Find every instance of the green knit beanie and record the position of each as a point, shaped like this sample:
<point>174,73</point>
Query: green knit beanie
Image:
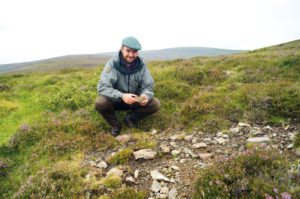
<point>131,42</point>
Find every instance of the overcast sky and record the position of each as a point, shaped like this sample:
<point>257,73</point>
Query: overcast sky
<point>38,29</point>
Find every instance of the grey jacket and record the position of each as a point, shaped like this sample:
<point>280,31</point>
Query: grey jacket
<point>115,80</point>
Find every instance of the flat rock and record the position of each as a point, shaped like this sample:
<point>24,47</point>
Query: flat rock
<point>155,187</point>
<point>188,137</point>
<point>123,139</point>
<point>242,124</point>
<point>172,194</point>
<point>158,176</point>
<point>173,144</point>
<point>205,156</point>
<point>144,154</point>
<point>116,171</point>
<point>220,140</point>
<point>102,165</point>
<point>164,190</point>
<point>129,179</point>
<point>186,150</point>
<point>175,152</point>
<point>199,145</point>
<point>194,140</point>
<point>259,139</point>
<point>235,130</point>
<point>178,137</point>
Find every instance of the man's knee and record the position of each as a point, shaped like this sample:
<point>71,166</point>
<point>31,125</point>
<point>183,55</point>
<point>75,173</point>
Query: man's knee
<point>155,104</point>
<point>102,103</point>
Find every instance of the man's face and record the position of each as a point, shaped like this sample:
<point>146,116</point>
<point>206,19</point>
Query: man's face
<point>129,55</point>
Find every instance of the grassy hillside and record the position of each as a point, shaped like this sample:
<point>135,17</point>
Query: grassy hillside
<point>72,61</point>
<point>48,121</point>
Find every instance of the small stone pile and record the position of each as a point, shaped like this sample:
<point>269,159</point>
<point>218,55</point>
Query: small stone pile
<point>170,169</point>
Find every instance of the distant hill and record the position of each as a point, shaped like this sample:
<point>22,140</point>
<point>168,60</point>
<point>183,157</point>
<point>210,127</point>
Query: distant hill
<point>181,52</point>
<point>88,60</point>
<point>68,61</point>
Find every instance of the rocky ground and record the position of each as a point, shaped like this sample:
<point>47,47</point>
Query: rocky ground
<point>170,169</point>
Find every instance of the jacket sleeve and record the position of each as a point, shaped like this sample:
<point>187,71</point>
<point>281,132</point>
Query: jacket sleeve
<point>105,86</point>
<point>147,83</point>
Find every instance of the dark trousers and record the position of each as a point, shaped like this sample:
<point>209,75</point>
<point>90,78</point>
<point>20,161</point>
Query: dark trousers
<point>107,109</point>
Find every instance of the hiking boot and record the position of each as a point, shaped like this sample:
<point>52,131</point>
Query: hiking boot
<point>131,123</point>
<point>115,131</point>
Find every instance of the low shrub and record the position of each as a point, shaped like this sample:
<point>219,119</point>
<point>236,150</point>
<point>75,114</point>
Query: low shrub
<point>258,173</point>
<point>263,102</point>
<point>6,107</point>
<point>4,165</point>
<point>297,140</point>
<point>4,87</point>
<point>26,135</point>
<point>70,97</point>
<point>210,110</point>
<point>53,183</point>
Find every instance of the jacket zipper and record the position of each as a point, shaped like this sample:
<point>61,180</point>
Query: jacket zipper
<point>128,87</point>
<point>128,82</point>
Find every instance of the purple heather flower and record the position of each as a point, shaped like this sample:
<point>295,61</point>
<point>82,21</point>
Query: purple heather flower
<point>210,183</point>
<point>268,196</point>
<point>285,195</point>
<point>275,190</point>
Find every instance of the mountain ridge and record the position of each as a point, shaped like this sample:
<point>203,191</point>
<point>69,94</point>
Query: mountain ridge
<point>86,60</point>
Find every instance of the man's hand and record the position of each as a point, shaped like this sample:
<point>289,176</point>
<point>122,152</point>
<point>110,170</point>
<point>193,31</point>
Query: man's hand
<point>145,101</point>
<point>129,98</point>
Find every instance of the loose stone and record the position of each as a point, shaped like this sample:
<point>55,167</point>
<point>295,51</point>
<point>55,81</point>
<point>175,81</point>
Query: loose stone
<point>175,152</point>
<point>258,139</point>
<point>129,179</point>
<point>242,124</point>
<point>123,139</point>
<point>154,132</point>
<point>205,156</point>
<point>155,186</point>
<point>158,176</point>
<point>136,174</point>
<point>199,145</point>
<point>102,165</point>
<point>188,137</point>
<point>176,168</point>
<point>145,154</point>
<point>172,194</point>
<point>220,140</point>
<point>115,171</point>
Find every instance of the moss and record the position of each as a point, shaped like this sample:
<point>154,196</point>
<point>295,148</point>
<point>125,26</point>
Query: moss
<point>144,141</point>
<point>129,194</point>
<point>121,157</point>
<point>112,181</point>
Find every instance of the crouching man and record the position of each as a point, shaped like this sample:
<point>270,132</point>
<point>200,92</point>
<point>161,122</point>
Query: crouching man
<point>126,84</point>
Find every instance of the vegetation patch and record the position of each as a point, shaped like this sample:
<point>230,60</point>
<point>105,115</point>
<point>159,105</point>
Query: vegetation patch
<point>121,157</point>
<point>257,173</point>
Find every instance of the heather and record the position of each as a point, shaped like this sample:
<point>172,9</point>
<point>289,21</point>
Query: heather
<point>48,123</point>
<point>255,173</point>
